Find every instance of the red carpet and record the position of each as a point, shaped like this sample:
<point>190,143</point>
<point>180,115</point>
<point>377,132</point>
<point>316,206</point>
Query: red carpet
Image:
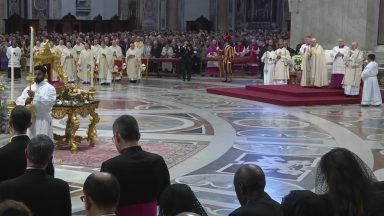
<point>288,95</point>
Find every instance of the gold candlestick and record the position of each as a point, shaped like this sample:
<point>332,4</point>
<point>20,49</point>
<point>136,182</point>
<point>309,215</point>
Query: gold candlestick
<point>11,106</point>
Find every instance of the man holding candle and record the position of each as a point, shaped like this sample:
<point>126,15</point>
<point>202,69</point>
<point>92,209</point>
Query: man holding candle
<point>42,96</point>
<point>14,55</point>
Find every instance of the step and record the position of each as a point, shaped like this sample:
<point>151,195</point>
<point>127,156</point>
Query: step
<point>296,90</point>
<point>284,100</point>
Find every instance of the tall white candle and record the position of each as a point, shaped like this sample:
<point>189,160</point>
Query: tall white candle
<point>92,71</point>
<point>31,54</point>
<point>12,73</point>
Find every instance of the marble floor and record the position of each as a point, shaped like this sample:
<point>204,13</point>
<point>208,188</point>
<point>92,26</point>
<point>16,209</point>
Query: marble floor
<point>204,138</point>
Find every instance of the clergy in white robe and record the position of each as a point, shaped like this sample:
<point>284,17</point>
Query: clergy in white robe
<point>371,89</point>
<point>85,64</point>
<point>37,47</point>
<point>116,50</point>
<point>42,97</point>
<point>104,64</point>
<point>338,66</point>
<point>95,49</point>
<point>281,72</point>
<point>352,77</point>
<point>314,66</point>
<point>167,52</point>
<point>307,43</point>
<point>60,47</point>
<point>132,64</point>
<point>78,48</point>
<point>269,58</point>
<point>68,62</point>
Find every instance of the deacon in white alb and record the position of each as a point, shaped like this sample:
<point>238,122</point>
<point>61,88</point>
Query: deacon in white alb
<point>269,58</point>
<point>42,97</point>
<point>281,73</point>
<point>371,89</point>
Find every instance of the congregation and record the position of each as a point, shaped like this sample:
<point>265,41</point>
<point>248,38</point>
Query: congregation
<point>137,182</point>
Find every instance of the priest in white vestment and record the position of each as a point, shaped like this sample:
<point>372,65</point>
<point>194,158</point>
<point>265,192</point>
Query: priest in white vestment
<point>104,64</point>
<point>132,64</point>
<point>354,65</point>
<point>68,62</point>
<point>167,52</point>
<point>116,50</point>
<point>78,48</point>
<point>314,66</point>
<point>371,89</point>
<point>307,43</point>
<point>283,59</point>
<point>37,47</point>
<point>60,47</point>
<point>338,66</point>
<point>269,58</point>
<point>85,64</point>
<point>95,49</point>
<point>42,97</point>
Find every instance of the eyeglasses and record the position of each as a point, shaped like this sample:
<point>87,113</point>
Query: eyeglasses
<point>82,198</point>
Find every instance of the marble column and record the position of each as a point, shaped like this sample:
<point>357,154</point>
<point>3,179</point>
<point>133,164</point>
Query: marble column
<point>123,9</point>
<point>381,23</point>
<point>2,16</point>
<point>222,15</point>
<point>173,15</point>
<point>353,20</point>
<point>55,12</point>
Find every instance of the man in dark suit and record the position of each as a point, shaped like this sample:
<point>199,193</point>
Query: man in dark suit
<point>155,53</point>
<point>12,155</point>
<point>142,175</point>
<point>249,182</point>
<point>43,194</point>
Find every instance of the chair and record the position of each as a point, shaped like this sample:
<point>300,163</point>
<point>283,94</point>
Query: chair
<point>117,70</point>
<point>145,61</point>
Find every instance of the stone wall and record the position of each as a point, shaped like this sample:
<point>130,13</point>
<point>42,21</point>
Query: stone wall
<point>327,20</point>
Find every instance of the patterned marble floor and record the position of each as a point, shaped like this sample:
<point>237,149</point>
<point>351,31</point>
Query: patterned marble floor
<point>205,138</point>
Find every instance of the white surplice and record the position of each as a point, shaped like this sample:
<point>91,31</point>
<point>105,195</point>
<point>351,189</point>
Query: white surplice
<point>338,66</point>
<point>371,89</point>
<point>43,101</point>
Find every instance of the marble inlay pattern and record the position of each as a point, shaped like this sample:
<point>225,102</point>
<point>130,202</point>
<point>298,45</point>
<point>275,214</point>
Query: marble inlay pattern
<point>205,138</point>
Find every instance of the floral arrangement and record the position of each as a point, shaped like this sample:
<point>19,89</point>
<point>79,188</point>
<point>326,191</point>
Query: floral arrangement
<point>143,67</point>
<point>73,96</point>
<point>3,109</point>
<point>297,59</point>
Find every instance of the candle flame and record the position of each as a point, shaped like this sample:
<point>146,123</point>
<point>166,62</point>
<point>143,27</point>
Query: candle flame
<point>31,28</point>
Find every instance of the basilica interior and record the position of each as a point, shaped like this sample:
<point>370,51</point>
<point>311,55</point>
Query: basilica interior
<point>205,137</point>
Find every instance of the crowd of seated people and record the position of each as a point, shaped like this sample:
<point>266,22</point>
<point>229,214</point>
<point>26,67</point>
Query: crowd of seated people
<point>137,182</point>
<point>165,44</point>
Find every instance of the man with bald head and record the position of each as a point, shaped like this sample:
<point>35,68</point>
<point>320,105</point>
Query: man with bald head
<point>338,55</point>
<point>354,65</point>
<point>249,182</point>
<point>101,194</point>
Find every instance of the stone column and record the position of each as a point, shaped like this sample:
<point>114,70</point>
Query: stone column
<point>381,23</point>
<point>173,15</point>
<point>56,12</point>
<point>123,9</point>
<point>222,15</point>
<point>2,16</point>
